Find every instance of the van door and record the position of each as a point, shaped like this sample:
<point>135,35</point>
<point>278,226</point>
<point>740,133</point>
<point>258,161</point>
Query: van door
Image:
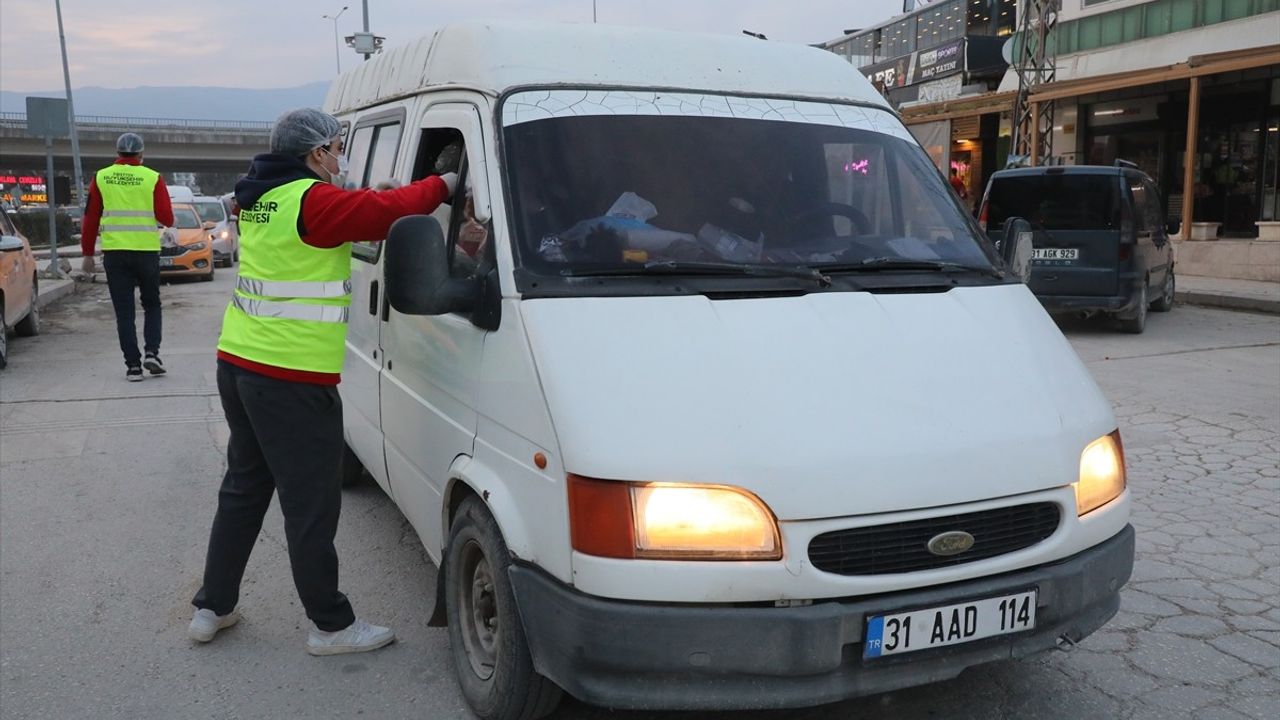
<point>430,381</point>
<point>371,157</point>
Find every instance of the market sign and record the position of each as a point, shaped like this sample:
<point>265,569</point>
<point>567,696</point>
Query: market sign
<point>920,66</point>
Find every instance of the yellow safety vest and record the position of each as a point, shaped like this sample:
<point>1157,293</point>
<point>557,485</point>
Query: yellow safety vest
<point>128,208</point>
<point>291,301</point>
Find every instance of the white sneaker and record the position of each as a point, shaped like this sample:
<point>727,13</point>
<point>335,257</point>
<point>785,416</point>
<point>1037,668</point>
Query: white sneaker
<point>359,636</point>
<point>206,623</point>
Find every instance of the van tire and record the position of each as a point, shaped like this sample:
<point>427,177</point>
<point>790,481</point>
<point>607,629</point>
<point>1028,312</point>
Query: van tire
<point>1164,303</point>
<point>352,470</point>
<point>1136,324</point>
<point>486,637</point>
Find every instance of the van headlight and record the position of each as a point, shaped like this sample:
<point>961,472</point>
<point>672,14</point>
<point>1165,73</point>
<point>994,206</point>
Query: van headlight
<point>670,521</point>
<point>1102,477</point>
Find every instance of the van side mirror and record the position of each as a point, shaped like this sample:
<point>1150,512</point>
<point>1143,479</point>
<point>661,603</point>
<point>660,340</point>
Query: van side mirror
<point>1016,248</point>
<point>1174,227</point>
<point>417,270</point>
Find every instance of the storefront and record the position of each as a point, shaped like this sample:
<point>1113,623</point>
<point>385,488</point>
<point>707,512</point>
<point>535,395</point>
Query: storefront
<point>1227,105</point>
<point>969,136</point>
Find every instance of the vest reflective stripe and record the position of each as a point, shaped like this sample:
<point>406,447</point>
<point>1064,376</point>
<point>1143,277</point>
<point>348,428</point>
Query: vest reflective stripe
<point>290,311</point>
<point>128,213</point>
<point>292,300</point>
<point>117,229</point>
<point>268,288</point>
<point>128,194</point>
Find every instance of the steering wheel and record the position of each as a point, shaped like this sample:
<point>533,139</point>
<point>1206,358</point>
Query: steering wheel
<point>860,221</point>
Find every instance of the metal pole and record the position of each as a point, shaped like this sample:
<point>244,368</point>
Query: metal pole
<point>366,22</point>
<point>593,11</point>
<point>337,61</point>
<point>54,270</point>
<point>71,115</point>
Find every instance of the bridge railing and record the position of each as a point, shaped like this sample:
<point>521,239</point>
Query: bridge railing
<point>129,123</point>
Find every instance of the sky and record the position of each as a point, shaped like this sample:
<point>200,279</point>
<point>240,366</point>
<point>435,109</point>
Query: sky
<point>285,43</point>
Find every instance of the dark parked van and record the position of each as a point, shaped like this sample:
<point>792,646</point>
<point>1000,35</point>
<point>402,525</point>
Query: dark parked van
<point>1100,238</point>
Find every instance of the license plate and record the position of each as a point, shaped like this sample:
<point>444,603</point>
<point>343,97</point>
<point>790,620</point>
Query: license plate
<point>1056,254</point>
<point>949,624</point>
<point>166,262</point>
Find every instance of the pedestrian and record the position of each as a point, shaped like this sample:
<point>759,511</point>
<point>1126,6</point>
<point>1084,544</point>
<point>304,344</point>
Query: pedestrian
<point>127,203</point>
<point>279,359</point>
<point>958,185</point>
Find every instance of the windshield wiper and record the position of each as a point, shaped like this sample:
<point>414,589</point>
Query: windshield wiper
<point>891,263</point>
<point>690,267</point>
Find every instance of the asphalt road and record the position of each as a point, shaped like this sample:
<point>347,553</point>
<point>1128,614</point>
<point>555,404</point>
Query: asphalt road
<point>107,490</point>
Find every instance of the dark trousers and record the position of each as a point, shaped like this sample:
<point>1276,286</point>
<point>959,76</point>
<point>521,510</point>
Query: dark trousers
<point>286,437</point>
<point>126,270</point>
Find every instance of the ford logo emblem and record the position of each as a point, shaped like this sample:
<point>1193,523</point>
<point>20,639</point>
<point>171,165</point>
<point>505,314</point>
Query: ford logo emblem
<point>950,543</point>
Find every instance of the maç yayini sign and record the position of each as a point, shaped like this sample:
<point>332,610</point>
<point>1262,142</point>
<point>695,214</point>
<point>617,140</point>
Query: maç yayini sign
<point>919,66</point>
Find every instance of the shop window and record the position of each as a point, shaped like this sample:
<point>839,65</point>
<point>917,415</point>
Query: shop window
<point>1067,38</point>
<point>1111,31</point>
<point>1235,9</point>
<point>939,24</point>
<point>898,38</point>
<point>1182,15</point>
<point>978,17</point>
<point>1006,17</point>
<point>1132,21</point>
<point>1089,33</point>
<point>1157,23</point>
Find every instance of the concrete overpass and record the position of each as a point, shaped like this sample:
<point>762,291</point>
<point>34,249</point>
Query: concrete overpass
<point>173,145</point>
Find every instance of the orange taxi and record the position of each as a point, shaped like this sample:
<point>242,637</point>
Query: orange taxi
<point>190,253</point>
<point>18,286</point>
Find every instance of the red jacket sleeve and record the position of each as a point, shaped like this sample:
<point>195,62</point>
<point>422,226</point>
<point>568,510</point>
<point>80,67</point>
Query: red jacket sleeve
<point>332,216</point>
<point>92,217</point>
<point>164,208</point>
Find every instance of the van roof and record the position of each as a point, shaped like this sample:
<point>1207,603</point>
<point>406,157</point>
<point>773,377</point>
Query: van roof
<point>495,57</point>
<point>1061,170</point>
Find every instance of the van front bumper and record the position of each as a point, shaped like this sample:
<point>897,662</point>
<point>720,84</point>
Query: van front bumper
<point>640,656</point>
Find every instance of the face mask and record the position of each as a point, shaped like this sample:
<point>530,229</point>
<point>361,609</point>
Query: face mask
<point>340,178</point>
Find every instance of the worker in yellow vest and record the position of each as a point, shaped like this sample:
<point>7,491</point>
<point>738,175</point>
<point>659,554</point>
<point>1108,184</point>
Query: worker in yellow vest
<point>279,359</point>
<point>127,203</point>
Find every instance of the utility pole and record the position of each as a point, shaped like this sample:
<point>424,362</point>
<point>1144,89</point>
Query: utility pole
<point>71,116</point>
<point>593,11</point>
<point>1034,61</point>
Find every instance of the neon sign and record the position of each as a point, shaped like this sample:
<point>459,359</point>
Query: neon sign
<point>861,166</point>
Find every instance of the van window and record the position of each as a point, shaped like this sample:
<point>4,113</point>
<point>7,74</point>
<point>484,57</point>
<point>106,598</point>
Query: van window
<point>1154,216</point>
<point>1066,201</point>
<point>1141,204</point>
<point>674,178</point>
<point>443,150</point>
<point>371,159</point>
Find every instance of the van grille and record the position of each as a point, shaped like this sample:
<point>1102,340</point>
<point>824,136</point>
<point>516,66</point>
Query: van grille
<point>903,547</point>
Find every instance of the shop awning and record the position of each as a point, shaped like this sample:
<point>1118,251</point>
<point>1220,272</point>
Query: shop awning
<point>1196,66</point>
<point>959,107</point>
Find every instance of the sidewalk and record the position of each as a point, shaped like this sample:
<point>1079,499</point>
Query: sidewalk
<point>53,290</point>
<point>1250,295</point>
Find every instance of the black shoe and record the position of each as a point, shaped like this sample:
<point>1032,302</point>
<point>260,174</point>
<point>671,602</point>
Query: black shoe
<point>133,374</point>
<point>153,364</point>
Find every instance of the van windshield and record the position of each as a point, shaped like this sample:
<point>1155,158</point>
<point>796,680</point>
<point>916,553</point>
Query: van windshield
<point>211,211</point>
<point>605,182</point>
<point>1068,201</point>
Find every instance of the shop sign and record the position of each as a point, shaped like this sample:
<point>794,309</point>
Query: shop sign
<point>940,90</point>
<point>919,66</point>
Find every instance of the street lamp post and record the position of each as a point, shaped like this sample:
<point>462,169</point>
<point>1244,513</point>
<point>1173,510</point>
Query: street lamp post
<point>71,116</point>
<point>593,11</point>
<point>337,61</point>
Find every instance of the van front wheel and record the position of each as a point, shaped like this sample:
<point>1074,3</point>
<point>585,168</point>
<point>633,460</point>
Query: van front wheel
<point>490,654</point>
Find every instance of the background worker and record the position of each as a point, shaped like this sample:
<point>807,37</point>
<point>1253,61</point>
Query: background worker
<point>279,359</point>
<point>127,201</point>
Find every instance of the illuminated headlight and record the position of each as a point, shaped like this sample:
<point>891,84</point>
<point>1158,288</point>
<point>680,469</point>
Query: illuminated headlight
<point>226,234</point>
<point>194,247</point>
<point>1102,477</point>
<point>666,521</point>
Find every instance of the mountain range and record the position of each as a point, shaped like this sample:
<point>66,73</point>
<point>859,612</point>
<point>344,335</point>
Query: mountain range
<point>188,103</point>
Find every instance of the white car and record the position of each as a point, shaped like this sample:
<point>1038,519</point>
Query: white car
<point>705,393</point>
<point>225,233</point>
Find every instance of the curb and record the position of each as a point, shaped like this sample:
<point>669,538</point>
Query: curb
<point>53,290</point>
<point>1228,302</point>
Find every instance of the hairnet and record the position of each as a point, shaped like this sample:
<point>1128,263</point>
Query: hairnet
<point>300,131</point>
<point>129,143</point>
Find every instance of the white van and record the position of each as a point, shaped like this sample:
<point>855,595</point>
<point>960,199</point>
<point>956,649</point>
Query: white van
<point>706,392</point>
